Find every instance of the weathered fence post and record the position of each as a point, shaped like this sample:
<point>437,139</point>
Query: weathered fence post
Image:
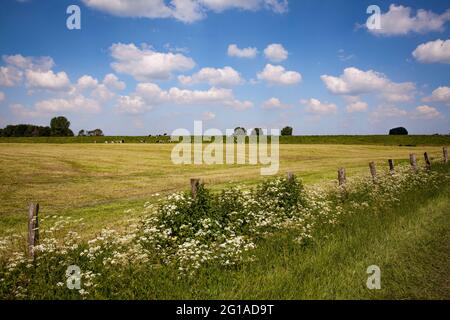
<point>341,177</point>
<point>391,165</point>
<point>290,176</point>
<point>427,161</point>
<point>33,228</point>
<point>445,151</point>
<point>413,161</point>
<point>373,170</point>
<point>195,183</point>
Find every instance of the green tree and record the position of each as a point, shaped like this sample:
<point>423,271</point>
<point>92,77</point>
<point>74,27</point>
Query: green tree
<point>95,133</point>
<point>60,127</point>
<point>287,131</point>
<point>82,133</point>
<point>398,132</point>
<point>239,131</point>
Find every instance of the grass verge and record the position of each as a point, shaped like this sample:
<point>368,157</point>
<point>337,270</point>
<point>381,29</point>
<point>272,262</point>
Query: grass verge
<point>409,242</point>
<point>402,227</point>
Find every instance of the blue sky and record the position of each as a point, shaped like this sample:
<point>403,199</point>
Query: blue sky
<point>143,67</point>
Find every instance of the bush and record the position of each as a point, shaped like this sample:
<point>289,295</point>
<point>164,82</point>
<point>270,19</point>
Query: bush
<point>230,208</point>
<point>398,132</point>
<point>220,226</point>
<point>287,131</point>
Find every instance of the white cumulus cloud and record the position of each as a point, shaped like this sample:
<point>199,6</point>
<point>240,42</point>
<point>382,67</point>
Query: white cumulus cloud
<point>113,82</point>
<point>34,63</point>
<point>278,6</point>
<point>235,51</point>
<point>225,77</point>
<point>145,64</point>
<point>153,95</point>
<point>276,52</point>
<point>433,51</point>
<point>278,75</point>
<point>355,82</point>
<point>441,94</point>
<point>184,10</point>
<point>75,104</point>
<point>275,103</point>
<point>87,82</point>
<point>317,107</point>
<point>134,8</point>
<point>47,80</point>
<point>426,112</point>
<point>400,20</point>
<point>132,105</point>
<point>101,91</point>
<point>10,76</point>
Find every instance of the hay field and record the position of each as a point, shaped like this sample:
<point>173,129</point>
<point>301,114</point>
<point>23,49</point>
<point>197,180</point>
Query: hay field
<point>101,183</point>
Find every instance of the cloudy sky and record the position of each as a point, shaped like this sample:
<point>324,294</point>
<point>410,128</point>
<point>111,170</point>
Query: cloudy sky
<point>141,67</point>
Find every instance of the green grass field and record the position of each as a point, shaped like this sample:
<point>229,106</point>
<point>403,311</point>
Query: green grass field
<point>411,140</point>
<point>107,185</point>
<point>99,182</point>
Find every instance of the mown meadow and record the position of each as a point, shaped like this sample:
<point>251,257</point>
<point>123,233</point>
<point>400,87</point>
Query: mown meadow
<point>99,182</point>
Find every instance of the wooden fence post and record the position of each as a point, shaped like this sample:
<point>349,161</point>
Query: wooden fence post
<point>341,177</point>
<point>195,183</point>
<point>413,161</point>
<point>391,165</point>
<point>445,151</point>
<point>373,170</point>
<point>33,228</point>
<point>427,161</point>
<point>290,176</point>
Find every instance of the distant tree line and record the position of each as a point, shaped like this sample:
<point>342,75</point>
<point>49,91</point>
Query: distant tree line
<point>25,130</point>
<point>240,131</point>
<point>59,127</point>
<point>91,133</point>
